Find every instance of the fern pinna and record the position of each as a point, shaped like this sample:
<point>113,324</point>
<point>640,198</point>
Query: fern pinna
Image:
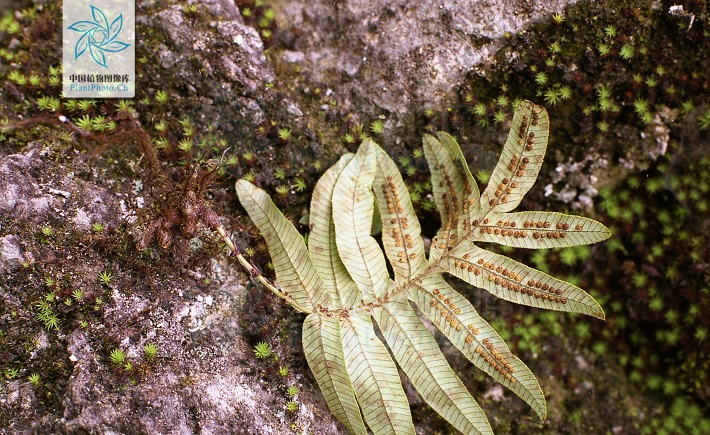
<point>342,282</point>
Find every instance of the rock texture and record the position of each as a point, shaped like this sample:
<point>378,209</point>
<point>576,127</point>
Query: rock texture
<point>397,58</point>
<point>205,377</point>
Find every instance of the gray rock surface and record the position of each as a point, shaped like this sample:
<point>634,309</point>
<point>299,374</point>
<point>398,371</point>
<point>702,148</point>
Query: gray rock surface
<point>205,379</point>
<point>398,58</point>
<point>216,69</point>
<point>20,195</point>
<point>10,253</point>
<point>29,193</point>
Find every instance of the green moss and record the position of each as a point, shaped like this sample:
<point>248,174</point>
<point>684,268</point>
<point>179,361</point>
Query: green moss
<point>105,277</point>
<point>704,120</point>
<point>284,133</point>
<point>627,52</point>
<point>118,357</point>
<point>161,96</point>
<point>150,350</point>
<point>291,406</point>
<point>541,78</point>
<point>583,330</point>
<point>263,350</point>
<point>552,96</point>
<point>299,185</point>
<point>377,126</point>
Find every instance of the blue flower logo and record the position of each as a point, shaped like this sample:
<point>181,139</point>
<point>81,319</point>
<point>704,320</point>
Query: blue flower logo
<point>98,37</point>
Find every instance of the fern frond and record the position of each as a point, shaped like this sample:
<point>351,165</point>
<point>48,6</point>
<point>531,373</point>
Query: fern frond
<point>323,347</point>
<point>401,232</point>
<point>297,277</point>
<point>375,379</point>
<point>353,209</point>
<point>418,354</point>
<point>455,192</point>
<point>539,230</point>
<point>459,321</point>
<point>520,161</point>
<point>342,278</point>
<point>321,240</point>
<point>513,281</point>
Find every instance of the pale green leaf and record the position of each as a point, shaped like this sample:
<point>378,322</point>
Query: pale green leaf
<point>516,282</point>
<point>520,160</point>
<point>418,354</point>
<point>321,240</point>
<point>539,229</point>
<point>294,269</point>
<point>352,213</point>
<point>323,347</point>
<point>459,321</point>
<point>375,378</point>
<point>470,188</point>
<point>455,191</point>
<point>401,233</point>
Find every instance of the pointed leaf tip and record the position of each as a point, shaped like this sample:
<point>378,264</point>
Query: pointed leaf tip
<point>521,159</point>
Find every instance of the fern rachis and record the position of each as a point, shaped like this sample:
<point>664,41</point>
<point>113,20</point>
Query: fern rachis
<point>341,279</point>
